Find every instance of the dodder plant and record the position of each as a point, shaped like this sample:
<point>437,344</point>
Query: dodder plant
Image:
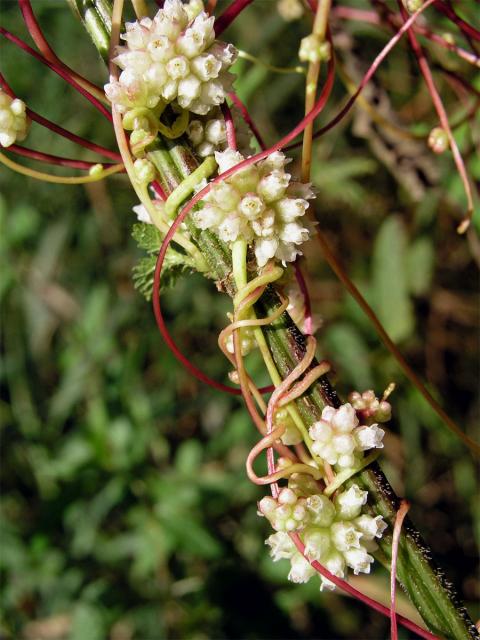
<point>209,204</point>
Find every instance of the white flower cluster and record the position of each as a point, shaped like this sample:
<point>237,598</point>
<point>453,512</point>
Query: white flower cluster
<point>335,533</point>
<point>260,205</point>
<point>339,439</point>
<point>13,119</point>
<point>173,57</point>
<point>369,407</point>
<point>209,134</point>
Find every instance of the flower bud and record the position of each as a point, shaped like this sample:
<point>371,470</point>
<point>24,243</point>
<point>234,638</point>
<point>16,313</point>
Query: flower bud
<point>370,527</point>
<point>144,171</point>
<point>14,124</point>
<point>317,543</point>
<point>369,437</point>
<point>438,140</point>
<point>281,546</point>
<point>321,510</point>
<point>350,502</point>
<point>301,570</point>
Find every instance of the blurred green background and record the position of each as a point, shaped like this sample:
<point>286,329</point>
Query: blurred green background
<point>125,509</point>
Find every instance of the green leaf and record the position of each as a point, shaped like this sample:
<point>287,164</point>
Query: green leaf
<point>420,266</point>
<point>351,354</point>
<point>147,236</point>
<point>390,282</point>
<point>175,264</point>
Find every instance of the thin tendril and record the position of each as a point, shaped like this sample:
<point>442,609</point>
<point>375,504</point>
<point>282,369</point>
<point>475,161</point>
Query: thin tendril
<point>443,117</point>
<point>397,529</point>
<point>44,122</point>
<point>58,70</point>
<point>409,372</point>
<point>248,119</point>
<point>230,127</point>
<point>307,304</point>
<point>47,177</point>
<point>49,54</point>
<point>370,73</point>
<point>229,15</point>
<point>270,67</point>
<point>51,159</point>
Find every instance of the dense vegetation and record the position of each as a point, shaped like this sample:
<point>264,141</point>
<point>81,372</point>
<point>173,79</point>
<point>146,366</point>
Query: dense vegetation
<point>126,512</point>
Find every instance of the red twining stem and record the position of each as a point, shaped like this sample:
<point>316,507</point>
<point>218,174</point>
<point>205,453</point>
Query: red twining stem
<point>229,15</point>
<point>373,604</point>
<point>230,127</point>
<point>57,160</point>
<point>369,74</point>
<point>61,131</point>
<point>464,27</point>
<point>248,119</point>
<point>58,70</point>
<point>42,44</point>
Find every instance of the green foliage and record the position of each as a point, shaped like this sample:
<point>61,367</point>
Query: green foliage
<point>175,264</point>
<point>390,284</point>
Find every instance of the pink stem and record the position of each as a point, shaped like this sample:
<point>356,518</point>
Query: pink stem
<point>229,15</point>
<point>348,13</point>
<point>58,70</point>
<point>57,160</point>
<point>373,604</point>
<point>157,187</point>
<point>308,323</point>
<point>366,78</point>
<point>61,131</point>
<point>42,44</point>
<point>362,15</point>
<point>397,529</point>
<point>248,119</point>
<point>464,27</point>
<point>231,137</point>
<point>443,117</point>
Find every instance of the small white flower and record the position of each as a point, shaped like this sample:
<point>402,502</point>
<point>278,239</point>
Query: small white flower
<point>317,543</point>
<point>358,560</point>
<point>345,536</point>
<point>301,570</point>
<point>142,214</point>
<point>281,546</point>
<point>267,506</point>
<point>335,563</point>
<point>14,124</point>
<point>290,9</point>
<point>350,502</point>
<point>369,437</point>
<point>321,510</point>
<point>371,527</point>
<point>344,419</point>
